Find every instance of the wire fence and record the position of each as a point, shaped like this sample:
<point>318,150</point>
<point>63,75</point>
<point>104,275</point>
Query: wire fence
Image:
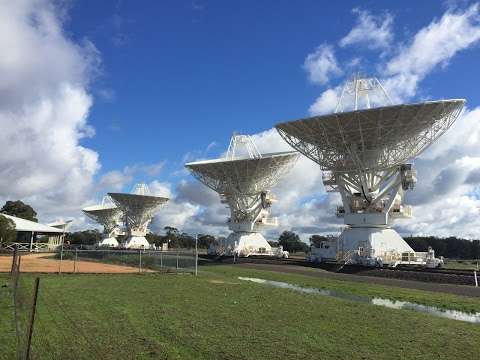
<point>25,294</point>
<point>128,261</point>
<point>42,318</point>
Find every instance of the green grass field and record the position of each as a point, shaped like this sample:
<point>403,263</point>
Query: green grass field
<point>462,264</point>
<point>217,316</point>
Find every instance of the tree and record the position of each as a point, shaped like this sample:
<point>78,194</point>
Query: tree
<point>155,239</point>
<point>273,244</point>
<point>291,242</point>
<point>451,247</point>
<point>186,241</point>
<point>86,237</point>
<point>171,236</point>
<point>7,231</point>
<point>315,240</point>
<point>204,241</point>
<point>19,209</point>
<point>475,249</point>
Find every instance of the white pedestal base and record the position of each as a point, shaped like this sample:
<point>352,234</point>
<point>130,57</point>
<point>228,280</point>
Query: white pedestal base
<point>371,245</point>
<point>137,242</point>
<point>243,244</point>
<point>364,245</point>
<point>108,242</point>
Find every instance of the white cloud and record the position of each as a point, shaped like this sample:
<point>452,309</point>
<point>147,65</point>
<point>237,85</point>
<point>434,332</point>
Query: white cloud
<point>326,102</point>
<point>44,106</point>
<point>374,32</point>
<point>114,181</point>
<point>193,208</point>
<point>177,215</point>
<point>321,65</point>
<point>432,46</point>
<point>153,169</point>
<point>158,188</point>
<point>447,172</point>
<point>117,180</point>
<point>106,94</point>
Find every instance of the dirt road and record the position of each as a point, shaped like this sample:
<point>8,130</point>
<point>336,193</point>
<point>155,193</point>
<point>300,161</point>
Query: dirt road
<point>45,263</point>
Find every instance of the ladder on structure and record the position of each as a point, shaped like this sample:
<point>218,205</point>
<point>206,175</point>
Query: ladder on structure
<point>345,259</point>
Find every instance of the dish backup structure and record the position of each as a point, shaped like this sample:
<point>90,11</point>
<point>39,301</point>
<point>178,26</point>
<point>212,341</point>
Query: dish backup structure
<point>244,182</point>
<point>364,149</point>
<point>138,209</point>
<point>108,215</point>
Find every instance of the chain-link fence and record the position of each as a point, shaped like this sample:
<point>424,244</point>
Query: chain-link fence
<point>25,293</point>
<point>50,314</point>
<point>127,261</point>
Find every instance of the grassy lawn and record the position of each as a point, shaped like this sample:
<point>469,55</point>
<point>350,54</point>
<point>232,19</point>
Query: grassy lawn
<point>461,264</point>
<point>216,316</point>
<point>440,300</point>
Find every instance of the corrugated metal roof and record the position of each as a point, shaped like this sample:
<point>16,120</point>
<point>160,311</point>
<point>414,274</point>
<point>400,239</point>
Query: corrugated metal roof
<point>27,225</point>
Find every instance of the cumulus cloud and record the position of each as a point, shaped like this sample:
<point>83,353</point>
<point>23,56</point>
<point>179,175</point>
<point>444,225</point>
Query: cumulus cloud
<point>326,102</point>
<point>444,199</point>
<point>116,180</point>
<point>433,46</point>
<point>321,65</point>
<point>44,106</point>
<point>158,188</point>
<point>374,32</point>
<point>193,208</point>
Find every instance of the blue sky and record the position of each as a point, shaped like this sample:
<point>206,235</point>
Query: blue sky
<point>183,74</point>
<point>98,95</point>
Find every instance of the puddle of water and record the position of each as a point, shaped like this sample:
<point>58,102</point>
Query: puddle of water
<point>392,304</point>
<point>222,282</point>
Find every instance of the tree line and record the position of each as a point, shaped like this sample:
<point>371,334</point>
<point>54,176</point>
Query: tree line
<point>450,247</point>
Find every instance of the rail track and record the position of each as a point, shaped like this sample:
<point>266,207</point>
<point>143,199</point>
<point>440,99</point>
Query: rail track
<point>445,276</point>
<point>439,275</point>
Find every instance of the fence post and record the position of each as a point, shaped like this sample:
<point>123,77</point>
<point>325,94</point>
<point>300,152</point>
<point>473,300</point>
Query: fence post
<point>196,255</point>
<point>177,258</point>
<point>476,279</point>
<point>61,259</point>
<point>161,258</point>
<point>17,274</point>
<point>31,242</point>
<point>32,318</point>
<point>14,259</point>
<point>140,260</point>
<point>75,261</point>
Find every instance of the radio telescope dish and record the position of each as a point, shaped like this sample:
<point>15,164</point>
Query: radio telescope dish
<point>364,154</point>
<point>243,181</point>
<point>108,215</point>
<point>138,209</point>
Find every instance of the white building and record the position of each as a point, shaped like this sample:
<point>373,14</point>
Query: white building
<point>54,234</point>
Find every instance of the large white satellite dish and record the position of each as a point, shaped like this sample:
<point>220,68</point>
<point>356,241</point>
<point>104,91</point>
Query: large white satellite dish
<point>364,154</point>
<point>108,215</point>
<point>138,209</point>
<point>243,181</point>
